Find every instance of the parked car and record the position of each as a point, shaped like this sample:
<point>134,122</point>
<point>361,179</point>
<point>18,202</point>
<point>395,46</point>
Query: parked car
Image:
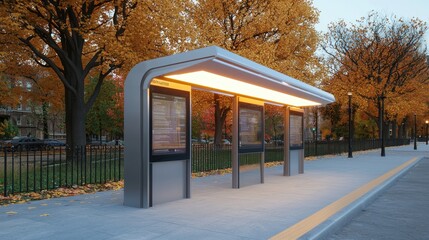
<point>51,143</point>
<point>115,143</point>
<point>95,142</point>
<point>199,141</point>
<point>24,143</point>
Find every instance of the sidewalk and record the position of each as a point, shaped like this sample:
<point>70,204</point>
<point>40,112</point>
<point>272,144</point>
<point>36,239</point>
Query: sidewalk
<point>215,211</point>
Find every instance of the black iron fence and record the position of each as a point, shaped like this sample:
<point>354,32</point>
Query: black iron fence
<point>44,169</point>
<point>320,148</point>
<point>206,157</point>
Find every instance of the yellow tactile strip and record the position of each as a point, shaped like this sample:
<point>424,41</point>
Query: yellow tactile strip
<point>306,225</point>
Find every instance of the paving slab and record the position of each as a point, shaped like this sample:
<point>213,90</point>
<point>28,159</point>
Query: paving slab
<point>215,211</point>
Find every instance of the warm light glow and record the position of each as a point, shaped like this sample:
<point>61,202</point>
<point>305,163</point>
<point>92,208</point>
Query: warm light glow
<point>427,121</point>
<point>349,93</point>
<point>218,82</point>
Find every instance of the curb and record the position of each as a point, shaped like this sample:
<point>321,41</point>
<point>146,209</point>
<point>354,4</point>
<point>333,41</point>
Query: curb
<point>341,218</point>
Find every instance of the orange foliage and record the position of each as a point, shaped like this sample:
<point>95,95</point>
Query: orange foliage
<point>278,34</point>
<point>379,57</point>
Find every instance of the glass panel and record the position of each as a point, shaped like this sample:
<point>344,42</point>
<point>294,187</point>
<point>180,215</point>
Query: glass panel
<point>250,126</point>
<point>296,131</point>
<point>168,124</point>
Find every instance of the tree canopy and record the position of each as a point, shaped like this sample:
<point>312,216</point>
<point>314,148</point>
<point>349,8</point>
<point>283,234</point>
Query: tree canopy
<point>379,57</point>
<point>277,34</point>
<point>72,38</point>
<point>66,42</point>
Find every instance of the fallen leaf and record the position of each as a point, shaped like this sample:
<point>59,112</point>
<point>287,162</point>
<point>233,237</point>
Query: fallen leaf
<point>31,208</point>
<point>60,192</point>
<point>44,204</point>
<point>44,215</point>
<point>11,213</point>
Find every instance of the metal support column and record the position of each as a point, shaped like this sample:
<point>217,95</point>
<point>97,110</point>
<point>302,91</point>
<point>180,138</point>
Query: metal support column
<point>350,150</point>
<point>382,130</point>
<point>262,165</point>
<point>415,131</point>
<point>235,142</point>
<point>286,150</point>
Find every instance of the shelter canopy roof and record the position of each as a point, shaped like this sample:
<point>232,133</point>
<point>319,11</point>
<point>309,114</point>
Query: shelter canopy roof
<point>214,68</point>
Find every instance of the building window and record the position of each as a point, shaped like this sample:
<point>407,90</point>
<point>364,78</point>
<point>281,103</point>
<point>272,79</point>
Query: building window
<point>29,122</point>
<point>28,106</point>
<point>29,86</point>
<point>18,121</point>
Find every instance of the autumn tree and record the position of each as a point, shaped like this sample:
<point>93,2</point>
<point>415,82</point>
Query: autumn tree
<point>79,38</point>
<point>9,93</point>
<point>45,94</point>
<point>378,58</point>
<point>100,119</point>
<point>7,130</point>
<point>274,121</point>
<point>278,34</point>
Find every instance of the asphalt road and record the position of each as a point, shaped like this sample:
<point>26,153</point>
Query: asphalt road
<point>401,212</point>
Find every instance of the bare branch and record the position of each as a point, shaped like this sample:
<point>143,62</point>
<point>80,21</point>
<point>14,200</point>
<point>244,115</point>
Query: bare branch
<point>54,67</point>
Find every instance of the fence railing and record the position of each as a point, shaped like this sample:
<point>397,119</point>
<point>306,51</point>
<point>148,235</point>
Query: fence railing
<point>44,169</point>
<point>337,147</point>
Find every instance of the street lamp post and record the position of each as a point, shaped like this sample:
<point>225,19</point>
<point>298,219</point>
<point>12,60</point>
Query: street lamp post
<point>316,131</point>
<point>427,123</point>
<point>350,125</point>
<point>415,131</point>
<point>383,151</point>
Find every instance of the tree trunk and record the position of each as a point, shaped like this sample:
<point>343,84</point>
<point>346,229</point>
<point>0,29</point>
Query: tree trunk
<point>220,117</point>
<point>53,128</point>
<point>386,130</point>
<point>218,120</point>
<point>380,121</point>
<point>394,129</point>
<point>404,130</point>
<point>400,131</point>
<point>45,120</point>
<point>75,125</point>
<point>78,123</point>
<point>68,118</point>
<point>100,129</point>
<point>274,129</point>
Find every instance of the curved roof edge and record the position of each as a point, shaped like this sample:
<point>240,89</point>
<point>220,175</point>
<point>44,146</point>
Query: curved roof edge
<point>220,54</point>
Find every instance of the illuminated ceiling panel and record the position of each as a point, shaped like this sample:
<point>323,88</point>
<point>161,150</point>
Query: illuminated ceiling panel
<point>215,81</point>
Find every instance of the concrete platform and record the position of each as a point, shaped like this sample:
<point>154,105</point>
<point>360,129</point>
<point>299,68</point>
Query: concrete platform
<point>311,205</point>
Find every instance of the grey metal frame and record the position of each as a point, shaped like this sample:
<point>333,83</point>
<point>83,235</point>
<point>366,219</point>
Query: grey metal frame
<point>136,127</point>
<point>286,149</point>
<point>235,155</point>
<point>234,151</point>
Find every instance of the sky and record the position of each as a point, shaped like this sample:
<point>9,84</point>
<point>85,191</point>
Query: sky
<point>351,10</point>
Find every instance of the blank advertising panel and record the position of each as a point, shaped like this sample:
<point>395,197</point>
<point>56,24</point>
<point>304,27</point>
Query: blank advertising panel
<point>169,124</point>
<point>251,128</point>
<point>296,130</point>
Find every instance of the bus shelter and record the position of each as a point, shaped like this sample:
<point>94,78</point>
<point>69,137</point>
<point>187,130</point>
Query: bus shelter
<point>157,118</point>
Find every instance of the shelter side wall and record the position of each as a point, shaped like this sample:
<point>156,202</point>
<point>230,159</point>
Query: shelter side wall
<point>133,165</point>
